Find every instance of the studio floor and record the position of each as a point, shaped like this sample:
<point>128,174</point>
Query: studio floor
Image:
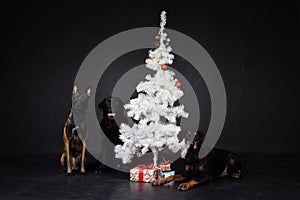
<point>41,177</point>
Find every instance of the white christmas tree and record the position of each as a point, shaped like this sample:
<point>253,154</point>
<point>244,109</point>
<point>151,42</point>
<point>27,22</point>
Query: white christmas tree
<point>154,107</point>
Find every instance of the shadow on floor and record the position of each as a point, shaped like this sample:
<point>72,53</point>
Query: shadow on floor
<point>41,177</point>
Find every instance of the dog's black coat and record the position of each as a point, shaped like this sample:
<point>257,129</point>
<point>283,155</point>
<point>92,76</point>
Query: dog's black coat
<point>213,165</point>
<point>195,170</point>
<point>218,162</point>
<point>108,123</point>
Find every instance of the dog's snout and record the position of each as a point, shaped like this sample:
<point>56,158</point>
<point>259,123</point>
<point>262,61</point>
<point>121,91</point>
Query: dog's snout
<point>187,143</point>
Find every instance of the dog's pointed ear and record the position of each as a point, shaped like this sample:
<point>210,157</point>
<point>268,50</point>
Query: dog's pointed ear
<point>106,102</point>
<point>100,105</point>
<point>75,89</point>
<point>88,91</point>
<point>200,136</point>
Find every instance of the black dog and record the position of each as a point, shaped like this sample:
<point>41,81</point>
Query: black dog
<point>217,163</point>
<point>112,109</point>
<point>112,114</point>
<point>74,152</point>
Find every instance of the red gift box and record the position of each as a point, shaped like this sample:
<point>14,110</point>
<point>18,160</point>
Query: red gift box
<point>144,173</point>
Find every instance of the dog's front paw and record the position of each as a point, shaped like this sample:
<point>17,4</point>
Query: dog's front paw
<point>184,187</point>
<point>82,169</point>
<point>82,172</point>
<point>158,182</point>
<point>69,172</point>
<point>237,174</point>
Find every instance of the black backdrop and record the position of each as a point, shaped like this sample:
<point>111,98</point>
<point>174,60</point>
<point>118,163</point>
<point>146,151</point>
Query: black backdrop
<point>254,44</point>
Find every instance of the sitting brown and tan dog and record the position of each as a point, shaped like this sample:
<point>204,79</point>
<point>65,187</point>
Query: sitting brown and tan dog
<point>217,163</point>
<point>74,153</point>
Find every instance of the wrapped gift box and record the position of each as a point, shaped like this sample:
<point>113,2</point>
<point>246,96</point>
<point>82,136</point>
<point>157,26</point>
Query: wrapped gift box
<point>165,166</point>
<point>166,174</point>
<point>144,173</point>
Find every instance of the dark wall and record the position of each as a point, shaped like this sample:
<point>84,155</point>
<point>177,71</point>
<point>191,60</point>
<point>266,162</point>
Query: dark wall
<point>254,44</point>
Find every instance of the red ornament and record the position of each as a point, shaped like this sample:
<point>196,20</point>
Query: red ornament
<point>164,67</point>
<point>157,37</point>
<point>178,84</point>
<point>148,58</point>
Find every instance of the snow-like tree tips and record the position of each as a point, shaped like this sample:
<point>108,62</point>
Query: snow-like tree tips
<point>155,101</point>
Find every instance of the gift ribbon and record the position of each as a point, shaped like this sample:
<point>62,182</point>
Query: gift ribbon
<point>141,169</point>
<point>141,175</point>
<point>149,166</point>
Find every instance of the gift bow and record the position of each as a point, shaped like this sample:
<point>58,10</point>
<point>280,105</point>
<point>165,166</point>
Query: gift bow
<point>165,162</point>
<point>149,166</point>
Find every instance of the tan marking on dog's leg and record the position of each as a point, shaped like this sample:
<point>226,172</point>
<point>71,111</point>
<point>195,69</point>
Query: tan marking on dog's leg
<point>69,171</point>
<point>62,158</point>
<point>187,185</point>
<point>200,168</point>
<point>237,174</point>
<point>66,143</point>
<point>187,168</point>
<point>82,170</point>
<point>168,179</point>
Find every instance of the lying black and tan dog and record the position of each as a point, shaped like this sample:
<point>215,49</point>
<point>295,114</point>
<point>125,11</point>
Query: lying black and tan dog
<point>74,153</point>
<point>217,163</point>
